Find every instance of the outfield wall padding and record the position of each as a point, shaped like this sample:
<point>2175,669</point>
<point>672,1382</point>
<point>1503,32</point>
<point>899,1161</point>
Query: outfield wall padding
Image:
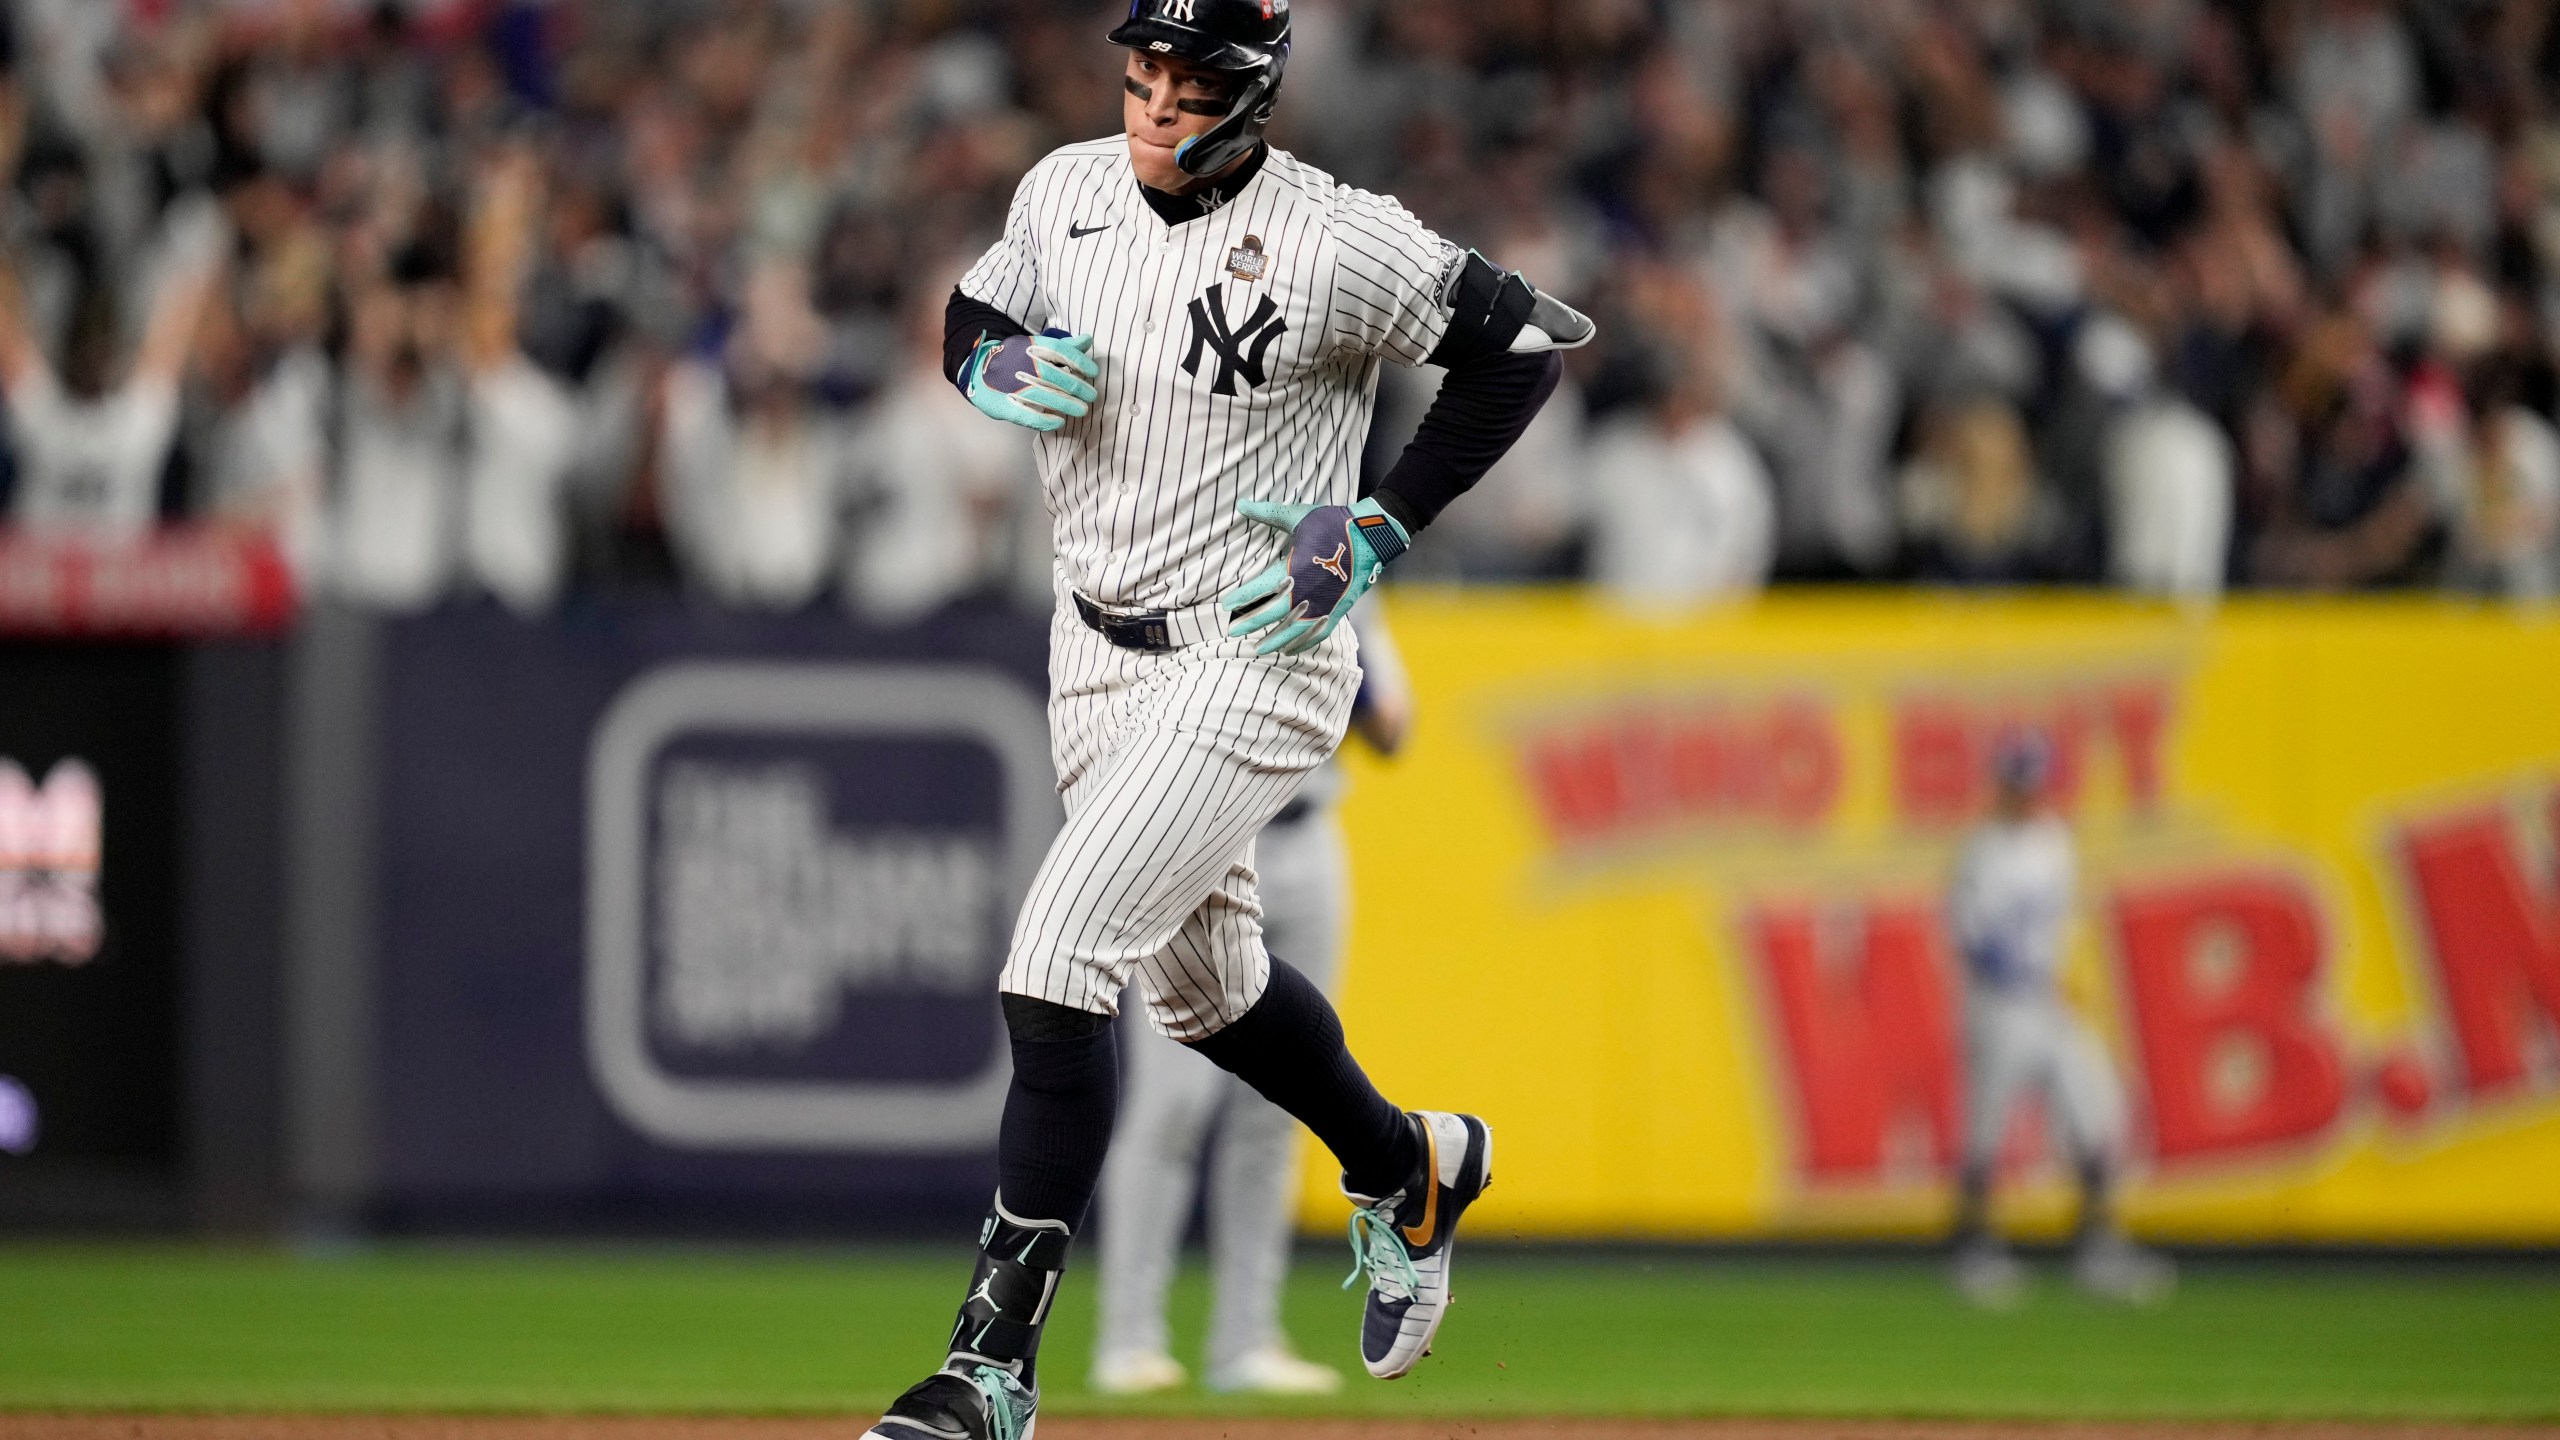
<point>1667,895</point>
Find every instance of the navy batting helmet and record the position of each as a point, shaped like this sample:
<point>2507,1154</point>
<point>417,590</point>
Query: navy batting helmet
<point>1248,38</point>
<point>2021,759</point>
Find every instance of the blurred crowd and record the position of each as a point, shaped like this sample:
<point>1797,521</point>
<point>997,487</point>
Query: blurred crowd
<point>516,298</point>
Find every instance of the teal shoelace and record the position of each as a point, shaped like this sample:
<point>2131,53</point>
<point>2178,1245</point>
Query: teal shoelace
<point>1002,1412</point>
<point>1376,1249</point>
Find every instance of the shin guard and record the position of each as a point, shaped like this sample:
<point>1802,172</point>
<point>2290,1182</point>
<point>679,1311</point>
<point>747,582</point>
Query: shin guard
<point>1019,1262</point>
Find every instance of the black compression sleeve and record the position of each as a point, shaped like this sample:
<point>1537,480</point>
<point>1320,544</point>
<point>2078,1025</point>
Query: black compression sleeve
<point>1483,407</point>
<point>965,322</point>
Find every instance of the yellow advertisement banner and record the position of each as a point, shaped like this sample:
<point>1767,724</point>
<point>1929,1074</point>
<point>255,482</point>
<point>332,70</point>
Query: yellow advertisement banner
<point>1661,900</point>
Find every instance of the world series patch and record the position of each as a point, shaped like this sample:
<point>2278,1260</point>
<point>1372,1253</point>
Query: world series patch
<point>1247,262</point>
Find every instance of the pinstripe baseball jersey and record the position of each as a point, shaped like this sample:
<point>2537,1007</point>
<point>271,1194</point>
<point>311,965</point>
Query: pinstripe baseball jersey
<point>1239,354</point>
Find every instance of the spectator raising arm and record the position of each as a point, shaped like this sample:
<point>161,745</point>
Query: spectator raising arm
<point>20,358</point>
<point>523,429</point>
<point>198,261</point>
<point>91,444</point>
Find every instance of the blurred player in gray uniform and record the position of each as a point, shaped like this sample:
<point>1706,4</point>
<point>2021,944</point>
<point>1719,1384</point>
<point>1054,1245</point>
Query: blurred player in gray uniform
<point>2010,909</point>
<point>1176,1099</point>
<point>1193,323</point>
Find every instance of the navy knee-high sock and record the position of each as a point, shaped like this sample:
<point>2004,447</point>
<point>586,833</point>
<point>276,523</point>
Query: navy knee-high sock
<point>1289,1046</point>
<point>1057,1116</point>
<point>1057,1127</point>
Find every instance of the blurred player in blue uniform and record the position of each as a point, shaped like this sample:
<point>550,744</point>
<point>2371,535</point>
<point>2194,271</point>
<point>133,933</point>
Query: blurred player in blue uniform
<point>2010,909</point>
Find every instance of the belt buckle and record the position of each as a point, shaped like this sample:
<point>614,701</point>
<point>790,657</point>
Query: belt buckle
<point>1148,630</point>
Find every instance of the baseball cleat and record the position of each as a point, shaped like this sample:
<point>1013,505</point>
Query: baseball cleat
<point>1402,1241</point>
<point>1274,1371</point>
<point>1138,1372</point>
<point>1989,1276</point>
<point>965,1402</point>
<point>2111,1267</point>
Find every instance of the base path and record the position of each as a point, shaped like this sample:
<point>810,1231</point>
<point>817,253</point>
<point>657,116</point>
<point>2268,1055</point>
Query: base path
<point>433,1427</point>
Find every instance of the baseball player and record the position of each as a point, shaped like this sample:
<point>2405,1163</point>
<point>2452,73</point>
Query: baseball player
<point>2010,909</point>
<point>1193,323</point>
<point>1176,1099</point>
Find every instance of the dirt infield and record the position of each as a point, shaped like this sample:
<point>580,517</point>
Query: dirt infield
<point>256,1427</point>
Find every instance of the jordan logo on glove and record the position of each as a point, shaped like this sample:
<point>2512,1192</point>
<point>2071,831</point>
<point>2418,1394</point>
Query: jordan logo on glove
<point>1336,552</point>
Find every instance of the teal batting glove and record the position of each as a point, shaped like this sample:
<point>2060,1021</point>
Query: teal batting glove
<point>1336,552</point>
<point>1039,382</point>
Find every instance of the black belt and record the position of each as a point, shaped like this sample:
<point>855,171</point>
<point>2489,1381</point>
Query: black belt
<point>1148,630</point>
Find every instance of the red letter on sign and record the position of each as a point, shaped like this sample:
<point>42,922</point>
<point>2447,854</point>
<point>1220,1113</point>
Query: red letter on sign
<point>2496,937</point>
<point>2139,714</point>
<point>1867,1042</point>
<point>1936,768</point>
<point>1803,763</point>
<point>1580,782</point>
<point>2223,973</point>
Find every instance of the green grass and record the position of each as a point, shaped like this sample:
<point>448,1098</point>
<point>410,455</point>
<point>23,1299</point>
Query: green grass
<point>557,1329</point>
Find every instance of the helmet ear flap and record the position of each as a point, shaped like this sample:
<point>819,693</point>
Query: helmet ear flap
<point>1226,142</point>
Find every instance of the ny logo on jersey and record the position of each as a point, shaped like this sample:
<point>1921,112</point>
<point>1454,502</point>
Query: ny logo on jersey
<point>1209,329</point>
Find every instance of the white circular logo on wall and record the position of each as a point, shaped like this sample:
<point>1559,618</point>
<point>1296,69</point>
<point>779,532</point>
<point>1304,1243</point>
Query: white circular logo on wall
<point>730,914</point>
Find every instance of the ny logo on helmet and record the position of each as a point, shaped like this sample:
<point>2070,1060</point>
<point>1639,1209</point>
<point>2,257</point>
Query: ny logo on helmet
<point>1209,330</point>
<point>1177,10</point>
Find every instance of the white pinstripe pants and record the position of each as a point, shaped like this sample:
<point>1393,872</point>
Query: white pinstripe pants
<point>1170,764</point>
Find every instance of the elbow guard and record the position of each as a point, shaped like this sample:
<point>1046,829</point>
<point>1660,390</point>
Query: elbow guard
<point>1494,311</point>
<point>1552,325</point>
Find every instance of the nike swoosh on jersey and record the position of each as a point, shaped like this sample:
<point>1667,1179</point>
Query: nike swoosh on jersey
<point>1078,232</point>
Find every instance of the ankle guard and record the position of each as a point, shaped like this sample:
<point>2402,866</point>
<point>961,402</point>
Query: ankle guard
<point>1018,1265</point>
